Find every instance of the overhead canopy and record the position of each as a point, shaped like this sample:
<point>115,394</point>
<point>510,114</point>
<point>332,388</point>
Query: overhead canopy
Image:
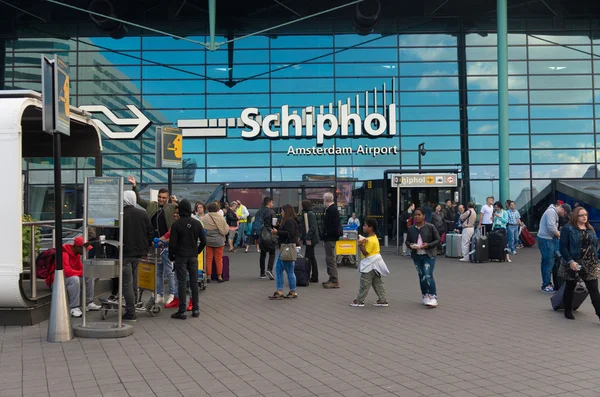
<point>84,141</point>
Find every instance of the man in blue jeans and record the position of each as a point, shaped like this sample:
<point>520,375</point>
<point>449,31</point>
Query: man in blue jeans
<point>546,239</point>
<point>514,222</point>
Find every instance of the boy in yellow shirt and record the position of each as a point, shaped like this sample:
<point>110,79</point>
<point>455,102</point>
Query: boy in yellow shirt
<point>372,267</point>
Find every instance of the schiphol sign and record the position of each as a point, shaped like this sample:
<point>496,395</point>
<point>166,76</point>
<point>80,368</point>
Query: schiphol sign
<point>322,125</point>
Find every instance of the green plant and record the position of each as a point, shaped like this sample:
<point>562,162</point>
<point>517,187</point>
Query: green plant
<point>26,235</point>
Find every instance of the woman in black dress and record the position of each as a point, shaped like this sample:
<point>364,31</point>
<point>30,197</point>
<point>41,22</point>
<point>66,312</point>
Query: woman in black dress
<point>579,249</point>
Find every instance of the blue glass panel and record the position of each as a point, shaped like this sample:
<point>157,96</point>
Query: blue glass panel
<point>559,52</point>
<point>491,53</point>
<point>491,83</point>
<point>247,86</point>
<point>173,87</point>
<point>428,54</point>
<point>100,72</point>
<point>561,111</point>
<point>109,58</point>
<point>238,145</point>
<point>562,156</point>
<point>171,116</point>
<point>491,68</point>
<point>560,67</point>
<point>302,160</point>
<point>303,85</point>
<point>429,98</point>
<point>195,160</point>
<point>365,69</point>
<point>553,127</point>
<point>125,43</point>
<point>430,128</point>
<point>491,142</point>
<point>432,143</point>
<point>559,171</point>
<point>301,55</point>
<point>121,161</point>
<point>370,54</point>
<point>426,40</point>
<point>221,72</point>
<point>302,41</point>
<point>568,82</point>
<point>429,113</point>
<point>237,101</point>
<point>169,43</point>
<point>432,158</point>
<point>304,70</point>
<point>239,159</point>
<point>194,145</point>
<point>174,101</point>
<point>428,83</point>
<point>301,100</point>
<point>558,141</point>
<point>428,69</point>
<point>561,96</point>
<point>178,72</point>
<point>281,174</point>
<point>371,40</point>
<point>357,85</point>
<point>238,174</point>
<point>174,57</point>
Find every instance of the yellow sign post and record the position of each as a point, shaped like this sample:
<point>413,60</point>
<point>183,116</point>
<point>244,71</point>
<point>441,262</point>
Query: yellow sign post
<point>169,147</point>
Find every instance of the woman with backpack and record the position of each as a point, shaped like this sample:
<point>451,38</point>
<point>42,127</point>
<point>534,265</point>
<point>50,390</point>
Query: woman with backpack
<point>251,237</point>
<point>310,238</point>
<point>216,230</point>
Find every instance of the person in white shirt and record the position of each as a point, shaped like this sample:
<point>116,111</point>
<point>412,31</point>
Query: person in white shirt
<point>354,220</point>
<point>487,215</point>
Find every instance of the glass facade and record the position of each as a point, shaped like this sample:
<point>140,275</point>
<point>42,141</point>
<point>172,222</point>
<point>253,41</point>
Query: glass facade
<point>445,92</point>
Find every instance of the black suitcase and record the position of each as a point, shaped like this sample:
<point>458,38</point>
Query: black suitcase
<point>302,272</point>
<point>479,249</point>
<point>497,244</point>
<point>579,296</point>
<point>557,281</point>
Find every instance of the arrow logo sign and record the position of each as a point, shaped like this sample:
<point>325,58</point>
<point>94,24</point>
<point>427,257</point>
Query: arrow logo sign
<point>141,122</point>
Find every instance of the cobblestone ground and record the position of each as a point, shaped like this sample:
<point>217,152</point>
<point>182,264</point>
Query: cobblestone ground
<point>493,334</point>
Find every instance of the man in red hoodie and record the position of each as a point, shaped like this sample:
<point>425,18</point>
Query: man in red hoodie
<point>73,269</point>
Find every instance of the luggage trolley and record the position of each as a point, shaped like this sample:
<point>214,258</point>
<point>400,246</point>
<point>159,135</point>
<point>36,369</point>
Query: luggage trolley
<point>346,249</point>
<point>146,282</point>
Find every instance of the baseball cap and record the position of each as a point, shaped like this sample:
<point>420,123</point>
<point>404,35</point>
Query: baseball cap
<point>78,242</point>
<point>560,202</point>
<point>567,209</point>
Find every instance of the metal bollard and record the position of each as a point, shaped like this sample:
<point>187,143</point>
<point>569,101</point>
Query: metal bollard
<point>33,278</point>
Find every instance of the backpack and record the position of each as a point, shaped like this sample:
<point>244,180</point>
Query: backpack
<point>257,224</point>
<point>45,263</point>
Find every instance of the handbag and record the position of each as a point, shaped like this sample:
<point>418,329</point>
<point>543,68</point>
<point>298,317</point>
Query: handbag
<point>305,225</point>
<point>288,252</point>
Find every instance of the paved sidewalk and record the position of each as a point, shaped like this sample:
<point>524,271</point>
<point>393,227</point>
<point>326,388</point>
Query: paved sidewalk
<point>493,334</point>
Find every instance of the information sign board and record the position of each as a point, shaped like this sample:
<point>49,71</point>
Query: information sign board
<point>103,201</point>
<point>424,180</point>
<point>169,147</point>
<point>55,96</point>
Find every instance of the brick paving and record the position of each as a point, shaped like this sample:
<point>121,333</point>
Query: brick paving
<point>494,334</point>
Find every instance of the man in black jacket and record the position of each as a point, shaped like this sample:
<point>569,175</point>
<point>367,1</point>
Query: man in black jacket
<point>265,215</point>
<point>137,238</point>
<point>332,231</point>
<point>184,250</point>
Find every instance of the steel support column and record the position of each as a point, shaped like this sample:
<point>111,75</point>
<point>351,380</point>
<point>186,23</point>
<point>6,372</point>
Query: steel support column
<point>212,17</point>
<point>464,113</point>
<point>504,183</point>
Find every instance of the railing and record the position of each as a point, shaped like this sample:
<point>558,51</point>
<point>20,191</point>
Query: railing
<point>33,251</point>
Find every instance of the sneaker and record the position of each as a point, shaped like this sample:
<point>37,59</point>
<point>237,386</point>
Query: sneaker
<point>196,313</point>
<point>330,285</point>
<point>76,312</point>
<point>92,307</point>
<point>426,300</point>
<point>174,304</point>
<point>159,299</point>
<point>170,299</point>
<point>381,303</point>
<point>113,299</point>
<point>509,261</point>
<point>270,275</point>
<point>548,289</point>
<point>129,317</point>
<point>432,301</point>
<point>179,316</point>
<point>514,252</point>
<point>356,303</point>
<point>464,259</point>
<point>139,305</point>
<point>263,277</point>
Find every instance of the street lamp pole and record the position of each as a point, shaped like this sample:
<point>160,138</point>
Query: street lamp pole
<point>422,152</point>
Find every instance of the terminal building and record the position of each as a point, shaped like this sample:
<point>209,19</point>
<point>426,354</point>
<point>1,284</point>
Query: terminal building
<point>338,102</point>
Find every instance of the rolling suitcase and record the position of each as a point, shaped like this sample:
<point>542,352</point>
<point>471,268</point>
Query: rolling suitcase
<point>497,245</point>
<point>453,245</point>
<point>302,272</point>
<point>526,238</point>
<point>557,281</point>
<point>214,275</point>
<point>479,249</point>
<point>579,296</point>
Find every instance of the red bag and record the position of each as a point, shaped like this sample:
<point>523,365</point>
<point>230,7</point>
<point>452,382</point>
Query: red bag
<point>45,262</point>
<point>526,238</point>
<point>409,222</point>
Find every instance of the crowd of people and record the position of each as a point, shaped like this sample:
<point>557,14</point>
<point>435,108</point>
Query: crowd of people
<point>185,232</point>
